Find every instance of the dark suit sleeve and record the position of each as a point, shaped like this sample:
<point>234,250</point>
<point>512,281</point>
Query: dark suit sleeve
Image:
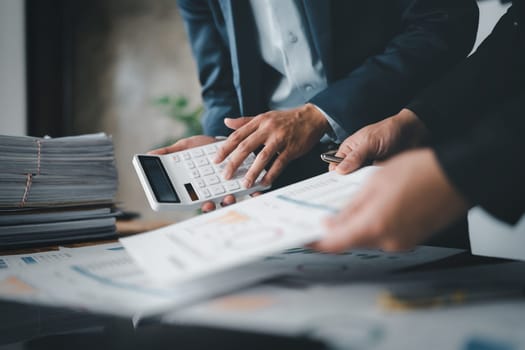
<point>205,28</point>
<point>435,34</point>
<point>494,72</point>
<point>487,165</point>
<point>476,117</point>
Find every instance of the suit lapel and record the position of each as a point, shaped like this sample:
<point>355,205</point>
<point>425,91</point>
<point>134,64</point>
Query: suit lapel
<point>244,51</point>
<point>318,15</point>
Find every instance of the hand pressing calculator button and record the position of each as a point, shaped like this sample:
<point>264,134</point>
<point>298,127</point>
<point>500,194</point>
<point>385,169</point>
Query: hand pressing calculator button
<point>185,180</point>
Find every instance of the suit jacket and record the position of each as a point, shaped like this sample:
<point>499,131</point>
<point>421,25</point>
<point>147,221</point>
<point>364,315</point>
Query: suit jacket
<point>476,115</point>
<point>376,53</point>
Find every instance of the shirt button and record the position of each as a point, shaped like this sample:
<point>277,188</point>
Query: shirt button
<point>516,24</point>
<point>292,38</point>
<point>308,87</point>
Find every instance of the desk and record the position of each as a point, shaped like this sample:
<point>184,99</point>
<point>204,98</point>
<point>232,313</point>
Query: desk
<point>24,326</point>
<point>353,315</point>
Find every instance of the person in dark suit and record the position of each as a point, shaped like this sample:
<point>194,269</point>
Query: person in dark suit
<point>287,74</point>
<point>463,139</point>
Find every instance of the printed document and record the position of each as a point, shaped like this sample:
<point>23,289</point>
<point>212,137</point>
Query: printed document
<point>286,218</point>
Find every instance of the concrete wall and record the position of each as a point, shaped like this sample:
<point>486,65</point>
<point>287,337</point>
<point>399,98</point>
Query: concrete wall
<point>12,68</point>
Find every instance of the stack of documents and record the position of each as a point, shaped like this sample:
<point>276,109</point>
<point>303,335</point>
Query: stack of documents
<point>56,189</point>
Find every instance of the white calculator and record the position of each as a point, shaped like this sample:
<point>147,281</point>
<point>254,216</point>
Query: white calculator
<point>185,180</point>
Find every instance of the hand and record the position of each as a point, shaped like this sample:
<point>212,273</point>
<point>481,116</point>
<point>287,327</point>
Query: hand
<point>183,144</point>
<point>286,135</point>
<point>403,203</point>
<point>190,142</point>
<point>380,140</point>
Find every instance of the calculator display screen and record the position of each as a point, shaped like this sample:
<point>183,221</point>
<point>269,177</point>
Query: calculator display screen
<point>159,180</point>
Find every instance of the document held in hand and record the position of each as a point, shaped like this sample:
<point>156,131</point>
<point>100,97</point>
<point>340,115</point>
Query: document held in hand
<point>286,218</point>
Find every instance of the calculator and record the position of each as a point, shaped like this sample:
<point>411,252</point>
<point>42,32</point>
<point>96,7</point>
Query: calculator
<point>185,180</point>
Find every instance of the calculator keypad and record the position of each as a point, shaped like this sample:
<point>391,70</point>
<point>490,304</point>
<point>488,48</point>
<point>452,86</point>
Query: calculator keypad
<point>206,176</point>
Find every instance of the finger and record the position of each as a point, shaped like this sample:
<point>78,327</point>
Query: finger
<point>263,158</point>
<point>396,246</point>
<point>242,151</point>
<point>343,237</point>
<point>277,167</point>
<point>207,207</point>
<point>342,151</point>
<point>177,146</point>
<point>233,141</point>
<point>348,228</point>
<point>184,144</point>
<point>228,200</point>
<point>256,194</point>
<point>236,123</point>
<point>354,159</point>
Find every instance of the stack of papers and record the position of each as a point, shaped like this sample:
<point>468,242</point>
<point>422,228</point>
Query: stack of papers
<point>56,189</point>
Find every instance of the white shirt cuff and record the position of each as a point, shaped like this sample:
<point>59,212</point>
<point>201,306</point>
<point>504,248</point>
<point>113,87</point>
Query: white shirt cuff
<point>337,134</point>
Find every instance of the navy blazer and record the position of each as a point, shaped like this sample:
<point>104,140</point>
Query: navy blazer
<point>476,115</point>
<point>376,53</point>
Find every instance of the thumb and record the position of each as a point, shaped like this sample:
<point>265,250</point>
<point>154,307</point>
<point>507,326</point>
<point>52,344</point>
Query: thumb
<point>354,159</point>
<point>236,123</point>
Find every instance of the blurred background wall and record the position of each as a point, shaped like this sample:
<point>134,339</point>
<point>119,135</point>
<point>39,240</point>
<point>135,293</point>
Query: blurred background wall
<point>128,54</point>
<point>12,68</point>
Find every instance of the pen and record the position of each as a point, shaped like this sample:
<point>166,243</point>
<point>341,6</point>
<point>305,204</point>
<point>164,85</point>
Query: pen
<point>330,157</point>
<point>407,298</point>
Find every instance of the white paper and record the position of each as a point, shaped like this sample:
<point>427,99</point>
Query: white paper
<point>288,217</point>
<point>491,237</point>
<point>105,279</point>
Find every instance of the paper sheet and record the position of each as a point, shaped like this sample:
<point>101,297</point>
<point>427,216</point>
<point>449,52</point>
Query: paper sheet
<point>288,217</point>
<point>345,312</point>
<point>105,279</point>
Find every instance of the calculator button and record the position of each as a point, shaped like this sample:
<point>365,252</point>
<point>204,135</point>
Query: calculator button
<point>232,185</point>
<point>249,159</point>
<point>217,189</point>
<point>212,180</point>
<point>176,158</point>
<point>197,152</point>
<point>200,183</point>
<point>190,164</point>
<point>211,149</point>
<point>202,161</point>
<point>205,192</point>
<point>195,174</point>
<point>207,170</point>
<point>240,172</point>
<point>186,156</point>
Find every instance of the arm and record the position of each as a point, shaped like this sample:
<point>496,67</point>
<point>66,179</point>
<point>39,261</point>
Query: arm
<point>209,43</point>
<point>401,205</point>
<point>434,36</point>
<point>486,165</point>
<point>450,106</point>
<point>480,106</point>
<point>494,72</point>
<point>421,192</point>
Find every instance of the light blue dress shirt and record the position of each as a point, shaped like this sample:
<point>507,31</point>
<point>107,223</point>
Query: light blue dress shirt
<point>286,45</point>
